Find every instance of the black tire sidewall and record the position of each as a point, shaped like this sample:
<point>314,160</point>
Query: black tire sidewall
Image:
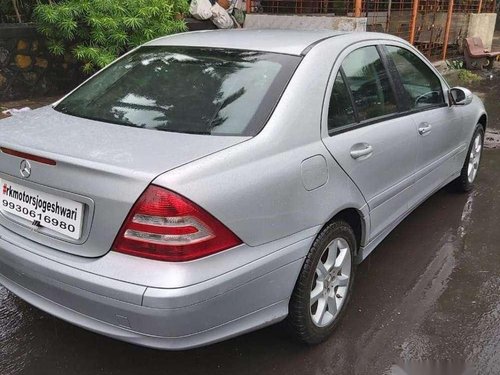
<point>299,314</point>
<point>463,181</point>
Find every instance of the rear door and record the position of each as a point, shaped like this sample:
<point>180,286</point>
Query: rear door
<point>367,135</point>
<point>438,126</point>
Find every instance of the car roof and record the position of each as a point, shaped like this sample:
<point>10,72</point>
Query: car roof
<point>292,42</point>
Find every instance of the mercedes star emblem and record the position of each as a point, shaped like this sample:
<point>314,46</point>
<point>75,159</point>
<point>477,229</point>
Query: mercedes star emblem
<point>25,168</point>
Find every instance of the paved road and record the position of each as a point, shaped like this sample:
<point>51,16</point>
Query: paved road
<point>431,291</point>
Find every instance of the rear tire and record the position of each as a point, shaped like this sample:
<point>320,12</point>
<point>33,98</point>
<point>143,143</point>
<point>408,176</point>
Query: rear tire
<point>465,182</point>
<point>324,285</point>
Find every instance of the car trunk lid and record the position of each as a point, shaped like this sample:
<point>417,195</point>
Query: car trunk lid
<point>103,166</point>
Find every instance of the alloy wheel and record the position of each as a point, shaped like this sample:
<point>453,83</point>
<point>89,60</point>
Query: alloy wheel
<point>474,158</point>
<point>331,282</point>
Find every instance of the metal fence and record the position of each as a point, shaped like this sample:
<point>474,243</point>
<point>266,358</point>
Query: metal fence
<point>436,27</point>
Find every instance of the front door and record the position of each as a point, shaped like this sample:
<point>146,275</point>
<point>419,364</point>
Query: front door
<point>438,126</point>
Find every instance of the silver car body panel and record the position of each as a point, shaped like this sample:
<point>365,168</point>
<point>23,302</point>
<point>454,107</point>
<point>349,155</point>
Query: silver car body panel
<point>106,167</point>
<point>275,191</point>
<point>423,162</point>
<point>167,318</point>
<point>280,41</point>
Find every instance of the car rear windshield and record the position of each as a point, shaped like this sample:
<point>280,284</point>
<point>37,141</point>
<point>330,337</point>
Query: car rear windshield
<point>186,90</point>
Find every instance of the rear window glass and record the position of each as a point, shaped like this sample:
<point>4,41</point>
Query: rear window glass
<point>187,90</point>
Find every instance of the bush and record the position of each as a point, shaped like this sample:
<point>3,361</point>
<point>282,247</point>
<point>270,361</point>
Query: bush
<point>97,31</point>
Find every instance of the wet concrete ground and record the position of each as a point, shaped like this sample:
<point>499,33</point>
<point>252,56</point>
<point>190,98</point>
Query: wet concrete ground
<point>430,292</point>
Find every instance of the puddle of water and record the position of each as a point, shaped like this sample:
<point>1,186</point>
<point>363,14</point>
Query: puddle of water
<point>484,348</point>
<point>430,368</point>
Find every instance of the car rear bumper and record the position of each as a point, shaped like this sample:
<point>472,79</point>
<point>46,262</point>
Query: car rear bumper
<point>166,318</point>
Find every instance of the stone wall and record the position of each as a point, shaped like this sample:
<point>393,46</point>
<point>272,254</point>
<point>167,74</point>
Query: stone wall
<point>26,67</point>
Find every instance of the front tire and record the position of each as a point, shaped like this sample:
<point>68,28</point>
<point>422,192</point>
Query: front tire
<point>324,285</point>
<point>465,182</point>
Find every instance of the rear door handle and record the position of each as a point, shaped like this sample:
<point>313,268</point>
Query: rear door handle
<point>361,151</point>
<point>424,128</point>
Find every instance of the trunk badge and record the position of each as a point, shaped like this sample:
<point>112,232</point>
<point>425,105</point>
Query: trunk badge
<point>25,168</point>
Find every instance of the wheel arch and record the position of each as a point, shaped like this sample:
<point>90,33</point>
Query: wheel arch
<point>356,221</point>
<point>483,120</point>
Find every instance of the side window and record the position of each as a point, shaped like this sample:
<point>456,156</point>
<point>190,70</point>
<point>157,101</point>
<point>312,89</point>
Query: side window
<point>422,85</point>
<point>369,83</point>
<point>340,110</point>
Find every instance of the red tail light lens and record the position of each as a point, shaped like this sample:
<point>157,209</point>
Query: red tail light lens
<point>165,226</point>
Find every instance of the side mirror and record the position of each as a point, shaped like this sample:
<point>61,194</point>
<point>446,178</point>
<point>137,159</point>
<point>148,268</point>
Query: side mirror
<point>460,96</point>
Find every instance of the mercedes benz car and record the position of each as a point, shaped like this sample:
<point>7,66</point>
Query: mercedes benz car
<point>208,184</point>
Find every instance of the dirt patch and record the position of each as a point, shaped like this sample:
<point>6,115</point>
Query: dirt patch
<point>492,139</point>
<point>31,103</point>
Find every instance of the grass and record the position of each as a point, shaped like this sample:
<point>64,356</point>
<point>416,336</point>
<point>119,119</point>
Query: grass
<point>466,76</point>
<point>461,77</point>
<point>457,75</point>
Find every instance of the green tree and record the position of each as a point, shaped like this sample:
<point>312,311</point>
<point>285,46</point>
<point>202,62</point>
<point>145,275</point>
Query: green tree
<point>98,31</point>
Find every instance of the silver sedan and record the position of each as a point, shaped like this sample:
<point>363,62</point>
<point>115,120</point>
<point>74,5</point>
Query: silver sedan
<point>208,184</point>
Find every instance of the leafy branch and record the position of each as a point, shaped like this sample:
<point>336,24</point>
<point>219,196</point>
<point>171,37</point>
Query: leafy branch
<point>96,32</point>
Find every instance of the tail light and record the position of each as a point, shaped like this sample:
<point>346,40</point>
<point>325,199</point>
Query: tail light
<point>165,226</point>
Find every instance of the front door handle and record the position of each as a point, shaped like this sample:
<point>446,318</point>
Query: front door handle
<point>361,151</point>
<point>424,128</point>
